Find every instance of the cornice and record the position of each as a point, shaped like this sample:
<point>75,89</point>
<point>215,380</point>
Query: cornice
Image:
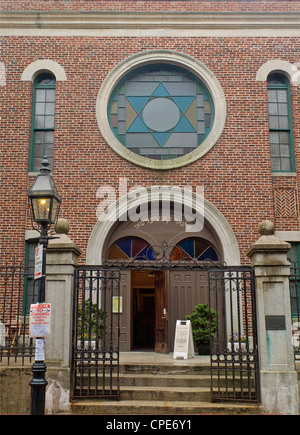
<point>18,22</point>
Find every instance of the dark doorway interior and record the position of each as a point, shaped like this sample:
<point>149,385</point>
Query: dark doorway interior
<point>143,298</point>
<point>144,318</point>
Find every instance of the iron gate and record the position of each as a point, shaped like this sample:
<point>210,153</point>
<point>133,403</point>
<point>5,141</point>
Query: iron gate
<point>96,329</point>
<point>234,348</point>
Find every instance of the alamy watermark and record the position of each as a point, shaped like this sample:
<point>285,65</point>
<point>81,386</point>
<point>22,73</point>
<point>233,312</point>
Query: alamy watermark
<point>155,203</point>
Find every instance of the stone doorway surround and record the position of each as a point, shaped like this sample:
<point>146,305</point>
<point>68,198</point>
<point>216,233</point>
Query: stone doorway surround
<point>212,216</point>
<point>107,231</point>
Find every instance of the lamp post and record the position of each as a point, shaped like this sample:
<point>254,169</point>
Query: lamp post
<point>45,202</point>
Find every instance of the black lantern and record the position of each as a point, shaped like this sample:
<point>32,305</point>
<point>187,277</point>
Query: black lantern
<point>44,198</point>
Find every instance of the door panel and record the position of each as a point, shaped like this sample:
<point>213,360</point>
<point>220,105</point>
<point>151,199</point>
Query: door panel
<point>125,323</point>
<point>186,290</point>
<point>161,314</point>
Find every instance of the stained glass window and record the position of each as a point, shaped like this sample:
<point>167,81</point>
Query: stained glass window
<point>194,249</point>
<point>131,248</point>
<point>161,112</point>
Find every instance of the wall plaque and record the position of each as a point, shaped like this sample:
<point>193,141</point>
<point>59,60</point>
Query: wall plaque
<point>275,323</point>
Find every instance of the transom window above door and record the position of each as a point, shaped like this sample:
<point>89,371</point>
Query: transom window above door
<point>131,248</point>
<point>136,249</point>
<point>161,112</point>
<point>194,249</point>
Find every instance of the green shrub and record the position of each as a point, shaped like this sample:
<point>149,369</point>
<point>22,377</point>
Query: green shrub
<point>204,325</point>
<point>91,321</point>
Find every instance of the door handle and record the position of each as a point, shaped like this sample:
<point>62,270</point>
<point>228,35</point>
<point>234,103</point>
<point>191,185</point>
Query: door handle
<point>165,314</point>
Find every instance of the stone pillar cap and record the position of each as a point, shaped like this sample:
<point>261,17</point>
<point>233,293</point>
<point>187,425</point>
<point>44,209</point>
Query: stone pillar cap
<point>268,242</point>
<point>62,242</point>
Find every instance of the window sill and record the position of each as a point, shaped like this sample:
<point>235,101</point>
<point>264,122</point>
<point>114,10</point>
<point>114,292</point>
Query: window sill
<point>284,174</point>
<point>35,173</point>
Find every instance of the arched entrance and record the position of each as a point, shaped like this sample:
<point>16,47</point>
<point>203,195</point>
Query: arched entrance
<point>175,293</point>
<point>165,249</point>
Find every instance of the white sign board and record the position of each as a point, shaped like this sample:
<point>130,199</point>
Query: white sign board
<point>40,349</point>
<point>184,344</point>
<point>40,320</point>
<point>38,262</point>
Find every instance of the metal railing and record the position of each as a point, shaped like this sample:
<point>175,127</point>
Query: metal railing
<point>17,292</point>
<point>234,345</point>
<point>96,333</point>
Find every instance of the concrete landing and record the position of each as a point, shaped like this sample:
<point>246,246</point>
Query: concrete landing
<point>162,358</point>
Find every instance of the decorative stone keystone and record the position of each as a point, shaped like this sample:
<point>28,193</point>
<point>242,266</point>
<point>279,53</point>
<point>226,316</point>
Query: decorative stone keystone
<point>279,383</point>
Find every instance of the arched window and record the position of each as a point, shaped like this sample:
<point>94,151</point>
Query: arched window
<point>42,130</point>
<point>131,248</point>
<point>194,249</point>
<point>280,123</point>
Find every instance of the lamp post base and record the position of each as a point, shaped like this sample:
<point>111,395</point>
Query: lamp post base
<point>38,388</point>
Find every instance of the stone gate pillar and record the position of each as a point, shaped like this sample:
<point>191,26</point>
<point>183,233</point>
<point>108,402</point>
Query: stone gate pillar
<point>62,259</point>
<point>279,383</point>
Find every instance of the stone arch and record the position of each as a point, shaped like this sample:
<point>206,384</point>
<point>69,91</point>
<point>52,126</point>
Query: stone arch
<point>212,216</point>
<point>278,66</point>
<point>43,65</point>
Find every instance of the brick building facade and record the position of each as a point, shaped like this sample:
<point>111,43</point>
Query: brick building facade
<point>244,54</point>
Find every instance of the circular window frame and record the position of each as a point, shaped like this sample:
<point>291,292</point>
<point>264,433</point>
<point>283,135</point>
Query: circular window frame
<point>186,62</point>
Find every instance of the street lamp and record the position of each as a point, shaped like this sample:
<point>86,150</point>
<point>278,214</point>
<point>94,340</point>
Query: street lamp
<point>44,204</point>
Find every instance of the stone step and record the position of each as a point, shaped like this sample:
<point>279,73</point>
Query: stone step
<point>165,369</point>
<point>149,380</point>
<point>188,394</point>
<point>160,381</point>
<point>143,407</point>
<point>160,389</point>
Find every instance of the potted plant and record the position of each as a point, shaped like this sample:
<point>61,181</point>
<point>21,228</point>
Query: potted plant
<point>237,342</point>
<point>91,325</point>
<point>204,327</point>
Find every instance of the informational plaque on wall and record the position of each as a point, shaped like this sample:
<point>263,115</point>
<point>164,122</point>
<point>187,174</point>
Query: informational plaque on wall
<point>117,304</point>
<point>184,344</point>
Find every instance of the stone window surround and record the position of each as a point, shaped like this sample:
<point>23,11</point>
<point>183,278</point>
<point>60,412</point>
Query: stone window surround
<point>279,66</point>
<point>184,61</point>
<point>44,65</point>
<point>292,72</point>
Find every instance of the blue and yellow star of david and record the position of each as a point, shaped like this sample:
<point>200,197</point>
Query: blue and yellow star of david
<point>161,114</point>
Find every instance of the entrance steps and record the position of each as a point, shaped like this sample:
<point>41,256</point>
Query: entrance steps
<point>169,388</point>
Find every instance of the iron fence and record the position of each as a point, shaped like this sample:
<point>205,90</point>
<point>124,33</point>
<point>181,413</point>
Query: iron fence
<point>96,331</point>
<point>234,346</point>
<point>295,308</point>
<point>17,291</point>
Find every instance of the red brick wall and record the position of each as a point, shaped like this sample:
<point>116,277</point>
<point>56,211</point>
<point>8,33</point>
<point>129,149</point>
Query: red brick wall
<point>152,5</point>
<point>235,172</point>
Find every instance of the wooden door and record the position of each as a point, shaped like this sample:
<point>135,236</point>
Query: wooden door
<point>187,288</point>
<point>161,314</point>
